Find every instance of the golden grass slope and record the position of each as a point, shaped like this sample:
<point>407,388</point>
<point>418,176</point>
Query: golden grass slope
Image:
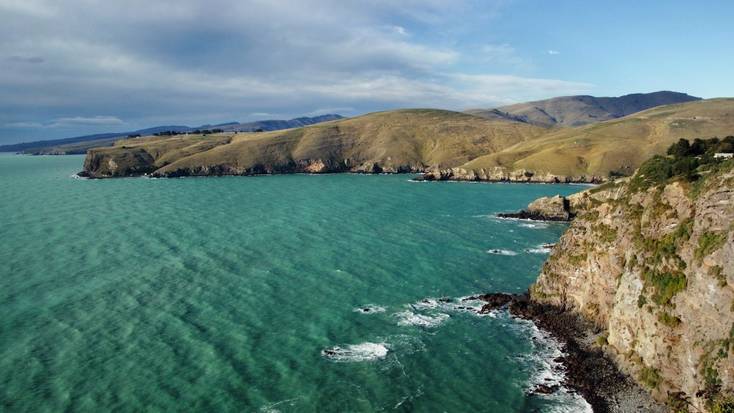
<point>400,140</point>
<point>618,145</point>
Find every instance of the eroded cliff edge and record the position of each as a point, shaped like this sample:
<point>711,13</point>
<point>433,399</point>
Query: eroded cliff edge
<point>650,261</point>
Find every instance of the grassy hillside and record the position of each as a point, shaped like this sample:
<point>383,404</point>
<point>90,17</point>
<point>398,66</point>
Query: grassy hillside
<point>400,140</point>
<point>619,145</point>
<point>571,111</point>
<point>80,144</point>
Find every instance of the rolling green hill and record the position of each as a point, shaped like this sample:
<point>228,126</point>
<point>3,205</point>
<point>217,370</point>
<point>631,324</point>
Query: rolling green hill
<point>393,141</point>
<point>445,144</point>
<point>619,145</point>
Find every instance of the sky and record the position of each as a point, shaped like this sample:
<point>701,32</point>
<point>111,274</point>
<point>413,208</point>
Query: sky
<point>76,67</point>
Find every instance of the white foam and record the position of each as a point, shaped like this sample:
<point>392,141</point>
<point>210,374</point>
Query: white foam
<point>409,318</point>
<point>547,369</point>
<point>356,352</point>
<point>541,249</point>
<point>370,309</point>
<point>496,251</point>
<point>536,225</point>
<point>271,408</point>
<point>425,304</point>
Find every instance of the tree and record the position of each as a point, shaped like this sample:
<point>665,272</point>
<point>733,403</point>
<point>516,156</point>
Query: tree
<point>680,149</point>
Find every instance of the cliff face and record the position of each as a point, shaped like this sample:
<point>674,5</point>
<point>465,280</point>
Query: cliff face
<point>501,174</point>
<point>653,266</point>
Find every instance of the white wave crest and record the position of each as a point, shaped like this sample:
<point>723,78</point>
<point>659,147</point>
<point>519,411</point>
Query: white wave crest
<point>496,251</point>
<point>547,369</point>
<point>356,352</point>
<point>409,318</point>
<point>536,225</point>
<point>370,309</point>
<point>541,249</point>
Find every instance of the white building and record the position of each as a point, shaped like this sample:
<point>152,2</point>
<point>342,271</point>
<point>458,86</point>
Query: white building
<point>723,155</point>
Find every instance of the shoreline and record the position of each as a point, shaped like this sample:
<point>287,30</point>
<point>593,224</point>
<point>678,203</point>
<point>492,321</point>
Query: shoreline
<point>589,372</point>
<point>418,178</point>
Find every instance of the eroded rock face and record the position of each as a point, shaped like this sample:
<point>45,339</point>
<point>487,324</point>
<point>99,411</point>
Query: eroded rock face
<point>655,269</point>
<point>499,174</point>
<point>108,164</point>
<point>555,208</point>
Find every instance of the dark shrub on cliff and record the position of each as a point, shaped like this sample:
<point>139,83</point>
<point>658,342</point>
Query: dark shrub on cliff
<point>686,161</point>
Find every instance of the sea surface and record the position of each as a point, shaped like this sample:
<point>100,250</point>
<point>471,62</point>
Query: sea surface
<point>266,294</point>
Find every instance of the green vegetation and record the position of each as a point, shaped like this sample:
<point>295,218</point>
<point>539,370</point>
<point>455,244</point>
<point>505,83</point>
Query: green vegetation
<point>601,341</point>
<point>722,404</point>
<point>718,272</point>
<point>665,249</point>
<point>605,232</point>
<point>650,377</point>
<point>576,260</point>
<point>685,162</point>
<point>666,284</point>
<point>709,242</point>
<point>668,319</point>
<point>678,402</point>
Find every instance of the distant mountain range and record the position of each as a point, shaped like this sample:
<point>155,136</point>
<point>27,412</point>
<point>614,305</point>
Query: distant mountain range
<point>80,144</point>
<point>581,110</point>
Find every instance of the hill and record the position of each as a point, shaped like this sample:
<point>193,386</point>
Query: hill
<point>582,110</point>
<point>615,147</point>
<point>80,144</point>
<point>393,141</point>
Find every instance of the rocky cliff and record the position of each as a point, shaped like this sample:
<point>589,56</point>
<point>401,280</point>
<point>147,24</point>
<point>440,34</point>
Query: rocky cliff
<point>502,174</point>
<point>650,260</point>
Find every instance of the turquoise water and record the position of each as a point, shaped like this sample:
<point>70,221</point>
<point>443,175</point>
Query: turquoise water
<point>223,294</point>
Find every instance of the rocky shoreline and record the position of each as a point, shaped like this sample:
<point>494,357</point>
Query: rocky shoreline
<point>501,174</point>
<point>555,208</point>
<point>589,371</point>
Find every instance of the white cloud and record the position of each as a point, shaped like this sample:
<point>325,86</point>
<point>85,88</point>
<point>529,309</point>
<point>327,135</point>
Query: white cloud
<point>553,52</point>
<point>197,61</point>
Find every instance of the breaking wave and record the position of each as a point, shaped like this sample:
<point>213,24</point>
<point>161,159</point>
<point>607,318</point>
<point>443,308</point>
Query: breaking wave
<point>496,251</point>
<point>356,352</point>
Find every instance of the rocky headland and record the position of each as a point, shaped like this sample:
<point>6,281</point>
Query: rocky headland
<point>647,266</point>
<point>555,208</point>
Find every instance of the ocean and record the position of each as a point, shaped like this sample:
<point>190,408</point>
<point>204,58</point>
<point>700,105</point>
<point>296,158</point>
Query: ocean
<point>292,293</point>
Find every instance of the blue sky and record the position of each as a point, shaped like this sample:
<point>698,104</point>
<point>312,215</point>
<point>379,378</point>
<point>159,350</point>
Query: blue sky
<point>88,66</point>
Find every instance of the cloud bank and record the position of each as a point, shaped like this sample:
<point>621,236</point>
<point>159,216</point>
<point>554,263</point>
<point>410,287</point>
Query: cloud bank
<point>88,65</point>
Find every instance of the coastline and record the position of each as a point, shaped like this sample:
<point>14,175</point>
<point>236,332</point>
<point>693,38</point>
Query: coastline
<point>419,178</point>
<point>589,371</point>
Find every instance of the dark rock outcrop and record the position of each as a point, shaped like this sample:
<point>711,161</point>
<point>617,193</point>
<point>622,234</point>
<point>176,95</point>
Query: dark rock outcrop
<point>556,208</point>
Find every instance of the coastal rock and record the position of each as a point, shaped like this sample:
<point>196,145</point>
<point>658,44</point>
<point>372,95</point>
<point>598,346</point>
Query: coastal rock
<point>500,174</point>
<point>653,269</point>
<point>589,371</point>
<point>555,208</point>
<point>494,301</point>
